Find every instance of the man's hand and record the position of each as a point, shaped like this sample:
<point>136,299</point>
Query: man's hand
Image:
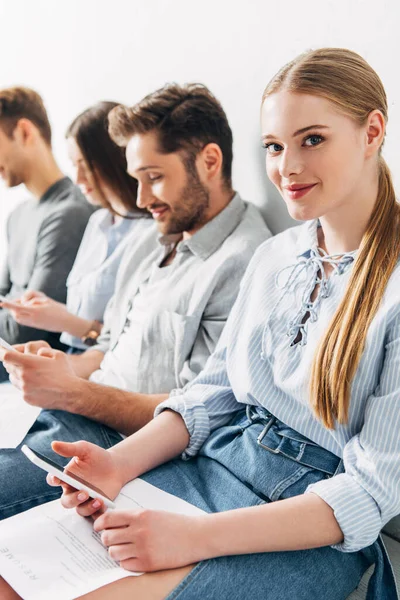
<point>46,378</point>
<point>30,347</point>
<point>32,295</point>
<point>40,312</point>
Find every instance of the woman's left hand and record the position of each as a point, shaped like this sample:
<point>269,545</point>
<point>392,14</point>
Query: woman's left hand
<point>151,540</point>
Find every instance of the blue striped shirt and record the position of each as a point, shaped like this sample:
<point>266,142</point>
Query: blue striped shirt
<point>264,359</point>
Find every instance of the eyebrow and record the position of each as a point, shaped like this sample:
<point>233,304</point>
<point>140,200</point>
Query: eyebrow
<point>298,132</point>
<point>147,167</point>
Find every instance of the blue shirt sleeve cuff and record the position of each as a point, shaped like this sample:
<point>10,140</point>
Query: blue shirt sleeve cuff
<point>195,417</point>
<point>354,508</point>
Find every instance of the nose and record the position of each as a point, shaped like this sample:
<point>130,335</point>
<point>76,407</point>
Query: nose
<point>80,175</point>
<point>290,163</point>
<point>144,196</point>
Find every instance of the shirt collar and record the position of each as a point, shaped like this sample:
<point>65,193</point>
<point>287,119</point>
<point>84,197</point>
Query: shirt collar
<point>62,184</point>
<point>210,237</point>
<point>308,237</point>
<point>308,240</point>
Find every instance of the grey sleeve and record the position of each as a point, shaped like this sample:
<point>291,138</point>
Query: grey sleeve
<point>58,242</point>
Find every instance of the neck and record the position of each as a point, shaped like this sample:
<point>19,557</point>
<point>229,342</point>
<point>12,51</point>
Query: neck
<point>218,201</point>
<point>343,229</point>
<point>119,208</point>
<point>43,172</point>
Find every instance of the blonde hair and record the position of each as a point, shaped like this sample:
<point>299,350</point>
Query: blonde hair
<point>347,80</point>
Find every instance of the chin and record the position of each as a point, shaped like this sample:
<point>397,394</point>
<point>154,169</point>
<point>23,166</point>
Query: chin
<point>303,213</point>
<point>93,201</point>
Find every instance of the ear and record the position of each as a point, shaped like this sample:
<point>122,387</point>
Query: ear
<point>25,131</point>
<point>375,132</point>
<point>211,160</point>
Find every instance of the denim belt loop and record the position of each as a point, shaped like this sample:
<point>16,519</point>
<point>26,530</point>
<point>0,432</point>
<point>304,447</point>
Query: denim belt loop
<point>253,415</point>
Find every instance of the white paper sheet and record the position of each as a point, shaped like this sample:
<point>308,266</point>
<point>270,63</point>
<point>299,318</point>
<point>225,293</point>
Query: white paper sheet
<point>16,416</point>
<point>49,552</point>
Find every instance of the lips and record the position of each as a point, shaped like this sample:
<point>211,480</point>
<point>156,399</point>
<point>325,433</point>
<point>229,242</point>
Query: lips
<point>157,211</point>
<point>85,191</point>
<point>298,190</point>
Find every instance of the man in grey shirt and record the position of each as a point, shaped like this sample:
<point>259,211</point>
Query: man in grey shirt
<point>171,301</point>
<point>44,232</point>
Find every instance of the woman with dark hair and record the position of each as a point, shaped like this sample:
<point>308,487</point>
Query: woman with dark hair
<point>101,172</point>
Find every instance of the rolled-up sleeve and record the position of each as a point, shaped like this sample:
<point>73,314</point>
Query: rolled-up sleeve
<point>206,403</point>
<point>367,495</point>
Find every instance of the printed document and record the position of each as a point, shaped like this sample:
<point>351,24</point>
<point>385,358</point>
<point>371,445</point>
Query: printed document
<point>49,552</point>
<point>16,416</point>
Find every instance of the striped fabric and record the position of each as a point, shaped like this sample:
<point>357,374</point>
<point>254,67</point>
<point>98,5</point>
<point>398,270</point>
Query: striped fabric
<point>264,358</point>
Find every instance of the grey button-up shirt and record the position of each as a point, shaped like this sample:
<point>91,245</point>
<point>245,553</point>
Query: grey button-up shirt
<point>176,320</point>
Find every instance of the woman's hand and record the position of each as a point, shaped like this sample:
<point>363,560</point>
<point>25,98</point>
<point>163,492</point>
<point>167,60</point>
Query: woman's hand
<point>151,540</point>
<point>40,312</point>
<point>97,466</point>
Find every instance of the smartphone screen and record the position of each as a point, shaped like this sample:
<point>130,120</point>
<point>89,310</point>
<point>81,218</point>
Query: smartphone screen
<point>72,475</point>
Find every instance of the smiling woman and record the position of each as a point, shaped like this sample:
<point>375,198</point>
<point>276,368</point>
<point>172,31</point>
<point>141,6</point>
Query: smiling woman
<point>309,165</point>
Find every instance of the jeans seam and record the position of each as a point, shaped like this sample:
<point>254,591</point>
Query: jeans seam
<point>190,577</point>
<point>282,485</point>
<point>107,439</point>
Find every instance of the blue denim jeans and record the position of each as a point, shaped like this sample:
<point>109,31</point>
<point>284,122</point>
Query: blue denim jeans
<point>3,374</point>
<point>234,470</point>
<point>22,484</point>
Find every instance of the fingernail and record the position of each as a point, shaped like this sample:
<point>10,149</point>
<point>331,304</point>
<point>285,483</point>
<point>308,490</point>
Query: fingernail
<point>82,496</point>
<point>96,504</point>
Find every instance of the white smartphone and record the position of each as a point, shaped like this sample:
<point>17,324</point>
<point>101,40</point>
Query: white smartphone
<point>73,480</point>
<point>6,345</point>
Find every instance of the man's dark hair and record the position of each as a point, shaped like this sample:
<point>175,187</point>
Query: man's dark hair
<point>185,118</point>
<point>23,103</point>
<point>103,157</point>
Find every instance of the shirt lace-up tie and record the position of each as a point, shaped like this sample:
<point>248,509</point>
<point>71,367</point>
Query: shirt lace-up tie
<point>312,263</point>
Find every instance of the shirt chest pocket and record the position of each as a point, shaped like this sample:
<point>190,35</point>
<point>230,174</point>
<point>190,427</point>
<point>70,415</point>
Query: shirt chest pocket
<point>166,343</point>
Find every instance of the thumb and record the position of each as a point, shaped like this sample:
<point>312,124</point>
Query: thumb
<point>36,301</point>
<point>80,450</point>
<point>29,294</point>
<point>49,352</point>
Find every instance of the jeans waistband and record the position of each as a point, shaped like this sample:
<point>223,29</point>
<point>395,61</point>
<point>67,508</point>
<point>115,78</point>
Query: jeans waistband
<point>278,438</point>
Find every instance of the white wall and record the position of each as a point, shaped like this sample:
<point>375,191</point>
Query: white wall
<point>77,52</point>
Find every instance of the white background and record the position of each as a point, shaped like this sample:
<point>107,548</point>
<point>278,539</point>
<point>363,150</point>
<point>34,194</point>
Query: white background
<point>77,52</point>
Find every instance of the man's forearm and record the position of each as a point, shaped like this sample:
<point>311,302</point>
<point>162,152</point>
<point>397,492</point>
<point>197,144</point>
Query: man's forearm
<point>85,364</point>
<point>123,411</point>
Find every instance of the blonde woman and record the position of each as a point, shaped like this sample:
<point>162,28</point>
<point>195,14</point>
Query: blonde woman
<point>293,427</point>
